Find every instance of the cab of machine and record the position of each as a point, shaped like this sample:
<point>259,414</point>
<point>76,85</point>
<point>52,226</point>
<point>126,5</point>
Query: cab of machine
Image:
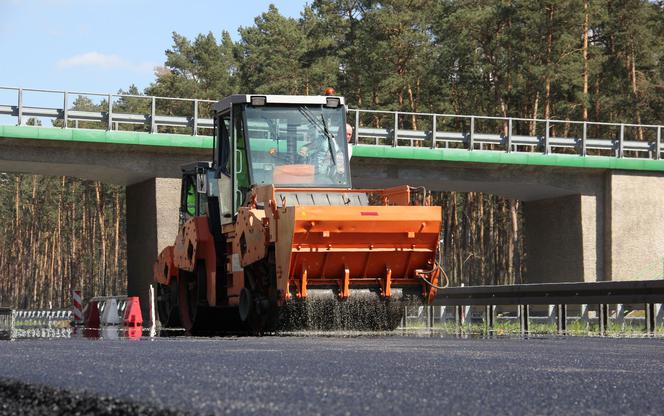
<point>285,140</point>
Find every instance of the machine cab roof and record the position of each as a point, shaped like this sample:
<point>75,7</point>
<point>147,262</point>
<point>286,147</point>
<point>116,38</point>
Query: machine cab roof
<point>286,140</point>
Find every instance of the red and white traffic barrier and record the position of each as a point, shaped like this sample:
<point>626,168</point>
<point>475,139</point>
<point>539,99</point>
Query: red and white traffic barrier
<point>77,307</point>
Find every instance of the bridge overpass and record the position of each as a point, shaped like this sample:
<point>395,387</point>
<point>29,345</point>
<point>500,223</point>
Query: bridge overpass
<point>593,193</point>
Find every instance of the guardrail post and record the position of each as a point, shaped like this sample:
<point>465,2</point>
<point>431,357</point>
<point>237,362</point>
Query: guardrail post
<point>195,132</point>
<point>489,318</point>
<point>509,135</point>
<point>404,319</point>
<point>621,141</point>
<point>603,318</point>
<point>650,318</point>
<point>658,143</point>
<point>12,325</point>
<point>471,141</point>
<point>441,315</point>
<point>551,317</point>
<point>584,315</point>
<point>434,127</point>
<point>561,319</point>
<point>396,129</point>
<point>65,111</point>
<point>524,315</point>
<point>110,112</point>
<point>458,318</point>
<point>583,139</point>
<point>547,138</point>
<point>620,316</point>
<point>20,106</point>
<point>153,126</point>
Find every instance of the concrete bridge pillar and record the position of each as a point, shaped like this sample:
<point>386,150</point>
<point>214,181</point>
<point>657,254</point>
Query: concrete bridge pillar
<point>564,239</point>
<point>616,232</point>
<point>634,248</point>
<point>152,224</point>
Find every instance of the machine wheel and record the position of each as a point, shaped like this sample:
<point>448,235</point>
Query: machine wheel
<point>187,299</point>
<point>258,299</point>
<point>246,308</point>
<point>167,298</point>
<point>191,296</point>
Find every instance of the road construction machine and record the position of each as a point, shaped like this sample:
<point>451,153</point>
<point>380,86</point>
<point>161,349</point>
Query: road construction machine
<point>272,234</point>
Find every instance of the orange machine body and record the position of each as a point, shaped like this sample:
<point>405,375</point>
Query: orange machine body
<point>374,246</point>
<point>383,247</point>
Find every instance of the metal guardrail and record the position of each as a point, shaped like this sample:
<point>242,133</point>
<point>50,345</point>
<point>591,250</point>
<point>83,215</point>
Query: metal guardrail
<point>649,293</point>
<point>392,128</point>
<point>109,118</point>
<point>643,291</point>
<point>506,134</point>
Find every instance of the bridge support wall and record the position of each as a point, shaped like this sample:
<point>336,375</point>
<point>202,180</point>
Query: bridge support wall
<point>635,225</point>
<point>617,233</point>
<point>152,224</point>
<point>564,239</point>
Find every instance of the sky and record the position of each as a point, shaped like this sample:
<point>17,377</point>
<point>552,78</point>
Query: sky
<point>106,45</point>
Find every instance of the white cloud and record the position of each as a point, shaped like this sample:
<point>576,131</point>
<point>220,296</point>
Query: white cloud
<point>103,61</point>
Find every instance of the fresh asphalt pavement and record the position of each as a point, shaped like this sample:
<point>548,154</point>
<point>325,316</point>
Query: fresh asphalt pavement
<point>354,375</point>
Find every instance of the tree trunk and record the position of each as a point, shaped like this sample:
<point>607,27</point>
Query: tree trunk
<point>598,106</point>
<point>58,240</point>
<point>514,221</point>
<point>116,251</point>
<point>549,52</point>
<point>635,92</point>
<point>102,235</point>
<point>533,124</point>
<point>17,203</point>
<point>585,100</point>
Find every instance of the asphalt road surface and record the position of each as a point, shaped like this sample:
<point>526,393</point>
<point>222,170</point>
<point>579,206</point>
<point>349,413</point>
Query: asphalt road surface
<point>352,375</point>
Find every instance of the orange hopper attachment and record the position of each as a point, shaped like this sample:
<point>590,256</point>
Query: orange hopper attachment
<point>386,249</point>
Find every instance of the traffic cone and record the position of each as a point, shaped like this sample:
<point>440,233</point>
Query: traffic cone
<point>110,314</point>
<point>132,316</point>
<point>92,315</point>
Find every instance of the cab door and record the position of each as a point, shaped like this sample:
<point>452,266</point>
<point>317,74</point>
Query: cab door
<point>224,166</point>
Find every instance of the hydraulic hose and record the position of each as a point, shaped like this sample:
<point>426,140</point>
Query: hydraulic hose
<point>428,272</point>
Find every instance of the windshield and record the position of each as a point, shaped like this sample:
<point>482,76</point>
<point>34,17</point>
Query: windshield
<point>298,145</point>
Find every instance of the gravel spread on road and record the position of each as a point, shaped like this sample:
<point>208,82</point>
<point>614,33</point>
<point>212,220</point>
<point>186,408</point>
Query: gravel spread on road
<point>22,399</point>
